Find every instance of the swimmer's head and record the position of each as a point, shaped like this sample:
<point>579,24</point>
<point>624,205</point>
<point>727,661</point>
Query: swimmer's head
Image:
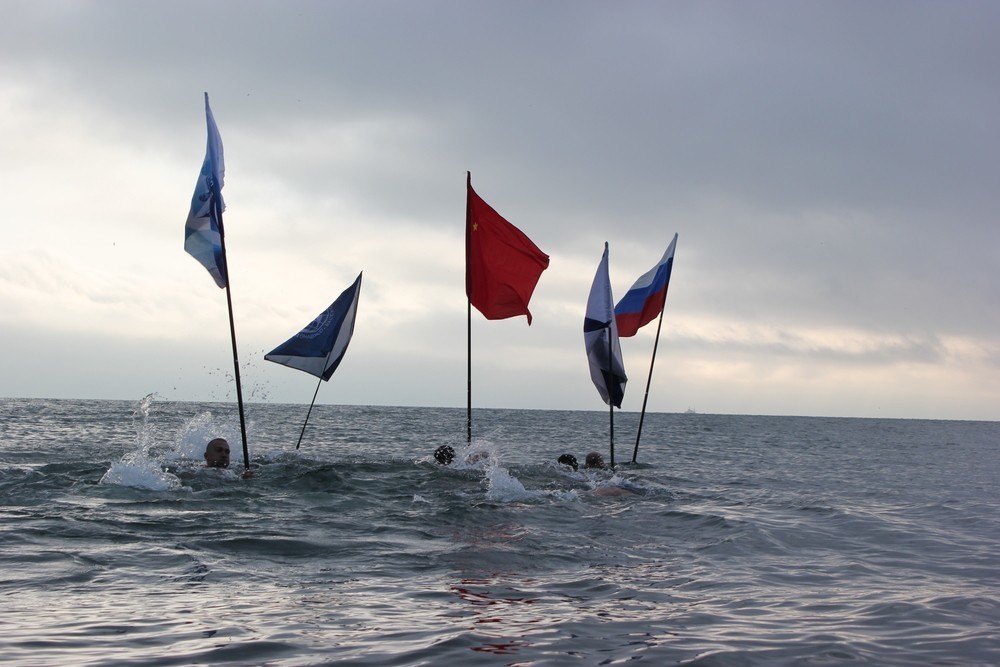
<point>444,454</point>
<point>568,460</point>
<point>217,453</point>
<point>594,460</point>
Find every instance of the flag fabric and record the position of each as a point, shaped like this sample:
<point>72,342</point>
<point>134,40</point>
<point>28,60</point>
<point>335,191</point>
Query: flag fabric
<point>319,348</point>
<point>600,336</point>
<point>203,230</point>
<point>645,299</point>
<point>502,265</point>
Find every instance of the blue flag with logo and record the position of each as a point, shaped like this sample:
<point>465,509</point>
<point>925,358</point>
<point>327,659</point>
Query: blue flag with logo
<point>203,230</point>
<point>319,348</point>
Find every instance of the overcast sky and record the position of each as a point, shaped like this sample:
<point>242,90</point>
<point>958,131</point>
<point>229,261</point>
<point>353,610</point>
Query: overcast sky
<point>830,168</point>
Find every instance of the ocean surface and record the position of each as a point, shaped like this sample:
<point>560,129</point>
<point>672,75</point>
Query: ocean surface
<point>735,540</point>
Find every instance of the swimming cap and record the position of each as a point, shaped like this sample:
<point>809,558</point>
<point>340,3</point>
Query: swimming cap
<point>444,454</point>
<point>568,460</point>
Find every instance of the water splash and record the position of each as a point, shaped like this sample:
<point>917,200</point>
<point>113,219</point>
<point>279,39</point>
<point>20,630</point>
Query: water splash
<point>137,471</point>
<point>501,486</point>
<point>142,467</point>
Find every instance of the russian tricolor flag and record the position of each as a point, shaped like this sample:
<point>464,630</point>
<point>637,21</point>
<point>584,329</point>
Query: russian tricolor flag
<point>645,299</point>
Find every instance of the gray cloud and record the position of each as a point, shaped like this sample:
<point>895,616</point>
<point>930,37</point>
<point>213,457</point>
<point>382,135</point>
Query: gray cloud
<point>827,165</point>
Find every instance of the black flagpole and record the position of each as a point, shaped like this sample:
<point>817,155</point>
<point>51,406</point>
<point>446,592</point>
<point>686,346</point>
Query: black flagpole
<point>313,402</point>
<point>468,414</point>
<point>611,402</point>
<point>217,209</point>
<point>649,379</point>
<point>315,393</point>
<point>468,294</point>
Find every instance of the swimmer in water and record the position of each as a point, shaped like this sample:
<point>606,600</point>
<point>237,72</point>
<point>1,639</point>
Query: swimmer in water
<point>217,456</point>
<point>568,460</point>
<point>444,454</point>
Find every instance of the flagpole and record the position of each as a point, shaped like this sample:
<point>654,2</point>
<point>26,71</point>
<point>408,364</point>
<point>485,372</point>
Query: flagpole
<point>217,208</point>
<point>315,394</point>
<point>611,402</point>
<point>649,378</point>
<point>468,417</point>
<point>309,412</point>
<point>468,311</point>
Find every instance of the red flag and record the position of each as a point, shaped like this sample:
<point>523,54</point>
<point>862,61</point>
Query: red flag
<point>502,265</point>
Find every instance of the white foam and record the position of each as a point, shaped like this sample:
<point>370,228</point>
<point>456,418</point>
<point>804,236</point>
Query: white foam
<point>504,487</point>
<point>140,472</point>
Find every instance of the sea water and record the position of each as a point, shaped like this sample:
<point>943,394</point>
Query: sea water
<point>734,540</point>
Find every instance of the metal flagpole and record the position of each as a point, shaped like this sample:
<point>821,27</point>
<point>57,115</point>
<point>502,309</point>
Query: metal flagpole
<point>315,393</point>
<point>468,312</point>
<point>611,402</point>
<point>649,378</point>
<point>217,209</point>
<point>468,414</point>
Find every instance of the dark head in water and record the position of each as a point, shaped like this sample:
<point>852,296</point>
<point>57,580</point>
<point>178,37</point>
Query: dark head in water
<point>217,453</point>
<point>568,460</point>
<point>444,454</point>
<point>594,460</point>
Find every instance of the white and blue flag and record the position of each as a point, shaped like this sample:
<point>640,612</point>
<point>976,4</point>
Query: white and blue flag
<point>647,296</point>
<point>600,335</point>
<point>319,348</point>
<point>203,230</point>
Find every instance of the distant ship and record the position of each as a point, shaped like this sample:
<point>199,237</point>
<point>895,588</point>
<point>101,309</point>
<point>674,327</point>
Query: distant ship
<point>690,411</point>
